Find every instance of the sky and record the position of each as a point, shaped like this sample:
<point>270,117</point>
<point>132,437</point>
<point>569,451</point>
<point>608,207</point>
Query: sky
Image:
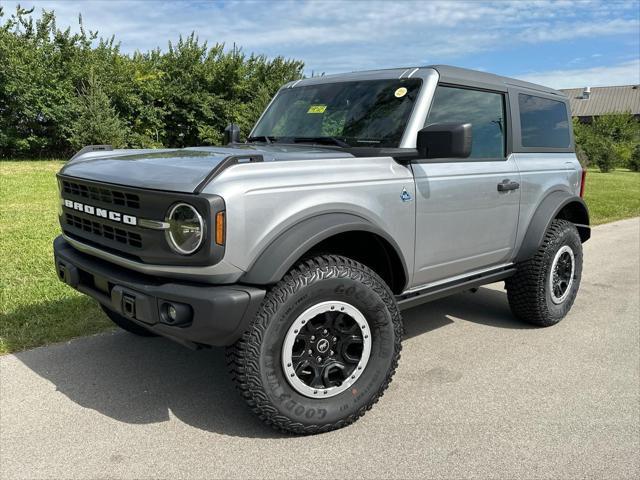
<point>560,44</point>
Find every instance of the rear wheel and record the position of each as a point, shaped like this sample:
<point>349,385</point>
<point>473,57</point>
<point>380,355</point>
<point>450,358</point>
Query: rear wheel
<point>322,349</point>
<point>545,286</point>
<point>126,324</point>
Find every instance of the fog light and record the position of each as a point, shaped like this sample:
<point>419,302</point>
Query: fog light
<point>176,314</point>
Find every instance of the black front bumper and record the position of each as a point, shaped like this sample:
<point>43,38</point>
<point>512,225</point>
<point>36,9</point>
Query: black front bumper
<point>211,315</point>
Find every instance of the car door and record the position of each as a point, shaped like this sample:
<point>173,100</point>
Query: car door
<point>466,209</point>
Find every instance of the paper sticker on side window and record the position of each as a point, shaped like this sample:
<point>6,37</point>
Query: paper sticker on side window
<point>317,109</point>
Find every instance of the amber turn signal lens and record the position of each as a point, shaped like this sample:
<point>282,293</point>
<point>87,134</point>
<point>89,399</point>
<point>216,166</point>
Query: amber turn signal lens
<point>220,228</point>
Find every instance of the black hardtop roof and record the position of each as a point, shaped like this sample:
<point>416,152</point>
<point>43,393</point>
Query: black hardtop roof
<point>447,73</point>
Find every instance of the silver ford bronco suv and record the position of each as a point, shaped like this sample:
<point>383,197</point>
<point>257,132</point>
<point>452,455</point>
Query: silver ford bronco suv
<point>354,197</point>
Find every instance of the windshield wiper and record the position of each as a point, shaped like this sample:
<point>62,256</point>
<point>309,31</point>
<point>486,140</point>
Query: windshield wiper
<point>262,138</point>
<point>322,140</point>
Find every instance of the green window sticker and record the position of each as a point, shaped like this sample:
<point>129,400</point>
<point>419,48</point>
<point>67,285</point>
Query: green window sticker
<point>317,109</point>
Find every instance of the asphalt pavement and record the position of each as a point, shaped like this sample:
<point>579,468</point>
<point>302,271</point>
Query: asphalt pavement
<point>477,395</point>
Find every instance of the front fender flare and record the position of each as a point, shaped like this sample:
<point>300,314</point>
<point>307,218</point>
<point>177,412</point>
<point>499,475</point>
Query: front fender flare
<point>288,247</point>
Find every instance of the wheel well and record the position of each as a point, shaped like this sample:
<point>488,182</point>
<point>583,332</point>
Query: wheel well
<point>576,213</point>
<point>369,249</point>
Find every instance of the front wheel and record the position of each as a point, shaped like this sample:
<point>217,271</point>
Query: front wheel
<point>545,286</point>
<point>322,349</point>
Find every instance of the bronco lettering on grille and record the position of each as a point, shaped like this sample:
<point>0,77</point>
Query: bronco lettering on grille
<point>101,212</point>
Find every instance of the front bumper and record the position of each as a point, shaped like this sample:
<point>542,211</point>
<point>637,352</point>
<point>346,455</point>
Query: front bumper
<point>211,315</point>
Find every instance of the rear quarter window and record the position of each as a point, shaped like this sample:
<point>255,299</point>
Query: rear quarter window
<point>544,123</point>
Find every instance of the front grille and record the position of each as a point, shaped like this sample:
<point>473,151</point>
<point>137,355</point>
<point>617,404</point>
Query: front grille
<point>124,236</point>
<point>101,194</point>
<point>106,231</point>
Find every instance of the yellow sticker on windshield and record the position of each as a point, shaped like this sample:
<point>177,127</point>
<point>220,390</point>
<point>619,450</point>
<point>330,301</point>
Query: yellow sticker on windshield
<point>317,109</point>
<point>401,92</point>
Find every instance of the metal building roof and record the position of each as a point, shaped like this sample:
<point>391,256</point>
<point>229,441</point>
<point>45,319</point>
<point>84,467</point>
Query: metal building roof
<point>603,100</point>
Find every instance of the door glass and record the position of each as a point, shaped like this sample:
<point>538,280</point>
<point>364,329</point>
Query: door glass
<point>483,110</point>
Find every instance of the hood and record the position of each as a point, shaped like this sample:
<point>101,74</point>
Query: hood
<point>178,170</point>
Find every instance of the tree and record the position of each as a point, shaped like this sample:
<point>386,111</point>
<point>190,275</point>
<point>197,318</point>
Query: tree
<point>582,156</point>
<point>608,140</point>
<point>634,162</point>
<point>182,96</point>
<point>97,122</point>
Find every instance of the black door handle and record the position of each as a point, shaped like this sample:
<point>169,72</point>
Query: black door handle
<point>507,185</point>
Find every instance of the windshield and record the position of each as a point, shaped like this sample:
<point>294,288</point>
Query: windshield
<point>370,113</point>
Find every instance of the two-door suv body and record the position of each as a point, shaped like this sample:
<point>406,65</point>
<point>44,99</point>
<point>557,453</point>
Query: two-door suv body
<point>354,196</point>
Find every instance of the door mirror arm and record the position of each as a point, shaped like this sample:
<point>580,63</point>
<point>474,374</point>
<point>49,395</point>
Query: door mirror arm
<point>231,134</point>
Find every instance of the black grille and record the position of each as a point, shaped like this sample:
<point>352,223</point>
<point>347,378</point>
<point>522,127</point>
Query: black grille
<point>106,231</point>
<point>144,245</point>
<point>101,194</point>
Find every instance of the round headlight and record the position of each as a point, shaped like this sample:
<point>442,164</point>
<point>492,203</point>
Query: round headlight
<point>186,228</point>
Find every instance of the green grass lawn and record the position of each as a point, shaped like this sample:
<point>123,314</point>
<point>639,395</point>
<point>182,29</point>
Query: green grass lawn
<point>37,309</point>
<point>612,196</point>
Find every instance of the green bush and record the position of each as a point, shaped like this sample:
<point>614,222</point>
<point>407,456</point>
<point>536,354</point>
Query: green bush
<point>634,161</point>
<point>608,141</point>
<point>60,90</point>
<point>604,155</point>
<point>582,156</point>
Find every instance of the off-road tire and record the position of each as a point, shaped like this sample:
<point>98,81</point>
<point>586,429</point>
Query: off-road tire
<point>126,324</point>
<point>254,361</point>
<point>529,290</point>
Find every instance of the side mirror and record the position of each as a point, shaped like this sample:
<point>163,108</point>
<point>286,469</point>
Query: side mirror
<point>231,134</point>
<point>445,140</point>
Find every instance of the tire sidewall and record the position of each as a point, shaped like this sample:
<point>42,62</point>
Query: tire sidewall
<point>304,410</point>
<point>566,236</point>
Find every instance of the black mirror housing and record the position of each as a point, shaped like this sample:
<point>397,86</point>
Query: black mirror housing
<point>231,134</point>
<point>445,140</point>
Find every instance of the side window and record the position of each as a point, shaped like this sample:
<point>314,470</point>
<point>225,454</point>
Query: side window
<point>483,110</point>
<point>543,122</point>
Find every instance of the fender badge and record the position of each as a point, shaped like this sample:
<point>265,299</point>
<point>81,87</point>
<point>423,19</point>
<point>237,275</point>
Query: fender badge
<point>405,196</point>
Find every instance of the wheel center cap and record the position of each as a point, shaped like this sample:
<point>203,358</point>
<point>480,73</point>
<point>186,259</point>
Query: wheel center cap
<point>323,345</point>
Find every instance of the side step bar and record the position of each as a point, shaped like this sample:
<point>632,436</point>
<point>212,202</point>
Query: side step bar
<point>429,294</point>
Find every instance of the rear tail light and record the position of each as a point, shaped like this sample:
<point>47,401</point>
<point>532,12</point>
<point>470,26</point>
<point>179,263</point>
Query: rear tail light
<point>582,180</point>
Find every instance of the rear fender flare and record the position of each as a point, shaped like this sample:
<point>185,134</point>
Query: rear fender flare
<point>547,211</point>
